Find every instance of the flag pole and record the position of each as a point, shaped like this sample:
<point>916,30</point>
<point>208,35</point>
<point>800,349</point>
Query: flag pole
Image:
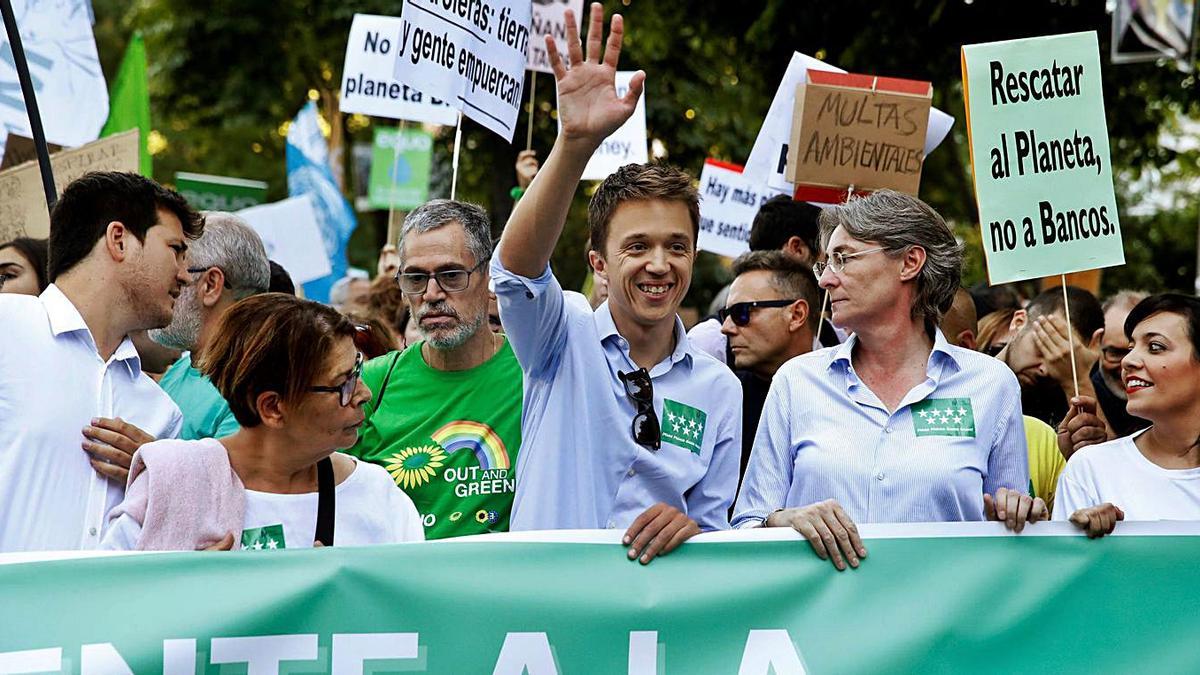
<point>532,89</point>
<point>454,161</point>
<point>1070,334</point>
<point>821,316</point>
<point>31,107</point>
<point>395,168</point>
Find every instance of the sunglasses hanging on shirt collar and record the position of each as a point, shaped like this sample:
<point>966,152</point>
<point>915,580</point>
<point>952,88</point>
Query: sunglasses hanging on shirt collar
<point>645,427</point>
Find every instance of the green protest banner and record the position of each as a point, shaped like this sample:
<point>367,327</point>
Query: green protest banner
<point>960,597</point>
<point>220,193</point>
<point>400,163</point>
<point>1040,156</point>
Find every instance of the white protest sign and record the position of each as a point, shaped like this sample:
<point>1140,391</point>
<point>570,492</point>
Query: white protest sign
<point>369,85</point>
<point>728,203</point>
<point>768,158</point>
<point>289,231</point>
<point>626,145</point>
<point>549,18</point>
<point>470,53</point>
<point>65,68</point>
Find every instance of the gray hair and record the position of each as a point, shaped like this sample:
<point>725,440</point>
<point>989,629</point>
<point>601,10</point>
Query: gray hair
<point>440,212</point>
<point>1123,298</point>
<point>231,244</point>
<point>897,222</point>
<point>792,278</point>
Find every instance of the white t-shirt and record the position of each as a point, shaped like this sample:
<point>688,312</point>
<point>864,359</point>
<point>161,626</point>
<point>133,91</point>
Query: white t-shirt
<point>1117,472</point>
<point>368,509</point>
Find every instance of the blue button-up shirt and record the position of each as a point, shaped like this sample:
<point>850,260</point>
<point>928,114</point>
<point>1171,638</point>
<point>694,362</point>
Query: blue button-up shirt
<point>579,466</point>
<point>825,435</point>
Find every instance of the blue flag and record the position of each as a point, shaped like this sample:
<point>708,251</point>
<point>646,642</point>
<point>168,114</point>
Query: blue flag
<point>309,173</point>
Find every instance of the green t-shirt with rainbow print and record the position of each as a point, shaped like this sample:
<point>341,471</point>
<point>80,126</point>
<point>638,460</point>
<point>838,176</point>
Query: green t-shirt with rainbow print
<point>448,438</point>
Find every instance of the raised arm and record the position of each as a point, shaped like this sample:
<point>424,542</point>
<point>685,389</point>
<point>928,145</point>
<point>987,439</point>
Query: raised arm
<point>589,110</point>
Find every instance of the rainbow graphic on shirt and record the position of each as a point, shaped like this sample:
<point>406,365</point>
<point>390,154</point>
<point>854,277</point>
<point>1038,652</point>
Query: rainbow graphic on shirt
<point>476,437</point>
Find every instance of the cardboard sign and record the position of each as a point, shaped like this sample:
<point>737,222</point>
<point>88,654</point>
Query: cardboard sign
<point>400,164</point>
<point>549,18</point>
<point>219,193</point>
<point>292,237</point>
<point>728,203</point>
<point>20,149</point>
<point>1040,156</point>
<point>858,130</point>
<point>23,211</point>
<point>768,158</point>
<point>369,84</point>
<point>628,144</point>
<point>470,54</point>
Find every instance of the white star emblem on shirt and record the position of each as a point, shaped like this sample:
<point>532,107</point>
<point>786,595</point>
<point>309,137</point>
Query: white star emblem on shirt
<point>961,411</point>
<point>272,544</point>
<point>257,546</point>
<point>924,414</point>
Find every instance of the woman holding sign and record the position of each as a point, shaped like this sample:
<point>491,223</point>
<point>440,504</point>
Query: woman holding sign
<point>1153,474</point>
<point>896,424</point>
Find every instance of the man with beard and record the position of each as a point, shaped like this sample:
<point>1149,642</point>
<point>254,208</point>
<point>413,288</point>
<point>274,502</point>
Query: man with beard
<point>446,416</point>
<point>226,264</point>
<point>626,425</point>
<point>1106,374</point>
<point>118,259</point>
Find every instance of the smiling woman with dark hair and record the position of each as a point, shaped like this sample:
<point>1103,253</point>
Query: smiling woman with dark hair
<point>1153,474</point>
<point>289,369</point>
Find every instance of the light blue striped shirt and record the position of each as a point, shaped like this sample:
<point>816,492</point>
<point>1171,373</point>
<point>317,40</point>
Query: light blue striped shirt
<point>825,435</point>
<point>579,466</point>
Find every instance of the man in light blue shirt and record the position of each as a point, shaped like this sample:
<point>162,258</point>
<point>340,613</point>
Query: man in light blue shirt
<point>625,424</point>
<point>227,263</point>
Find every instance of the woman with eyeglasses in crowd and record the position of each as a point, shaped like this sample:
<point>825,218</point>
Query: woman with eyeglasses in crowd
<point>289,369</point>
<point>1155,473</point>
<point>896,424</point>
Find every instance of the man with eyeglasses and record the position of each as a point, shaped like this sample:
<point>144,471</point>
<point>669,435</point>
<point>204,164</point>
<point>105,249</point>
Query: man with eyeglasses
<point>1105,376</point>
<point>769,318</point>
<point>626,425</point>
<point>227,263</point>
<point>445,420</point>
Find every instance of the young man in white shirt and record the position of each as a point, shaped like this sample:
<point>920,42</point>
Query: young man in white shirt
<point>74,402</point>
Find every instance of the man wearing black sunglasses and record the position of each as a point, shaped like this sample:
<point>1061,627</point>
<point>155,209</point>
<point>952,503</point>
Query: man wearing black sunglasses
<point>769,318</point>
<point>625,425</point>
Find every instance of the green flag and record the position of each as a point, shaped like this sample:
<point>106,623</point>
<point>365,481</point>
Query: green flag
<point>129,101</point>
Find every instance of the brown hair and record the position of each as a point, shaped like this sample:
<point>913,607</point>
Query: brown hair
<point>634,182</point>
<point>385,301</point>
<point>372,336</point>
<point>270,342</point>
<point>992,326</point>
<point>792,278</point>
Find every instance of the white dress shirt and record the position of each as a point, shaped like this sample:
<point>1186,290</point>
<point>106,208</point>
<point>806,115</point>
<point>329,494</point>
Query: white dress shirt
<point>52,384</point>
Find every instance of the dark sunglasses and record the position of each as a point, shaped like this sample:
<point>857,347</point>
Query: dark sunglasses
<point>645,428</point>
<point>740,312</point>
<point>346,389</point>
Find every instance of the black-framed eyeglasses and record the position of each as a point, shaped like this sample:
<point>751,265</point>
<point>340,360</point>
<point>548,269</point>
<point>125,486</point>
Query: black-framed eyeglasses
<point>1115,354</point>
<point>202,270</point>
<point>740,311</point>
<point>345,389</point>
<point>450,281</point>
<point>645,428</point>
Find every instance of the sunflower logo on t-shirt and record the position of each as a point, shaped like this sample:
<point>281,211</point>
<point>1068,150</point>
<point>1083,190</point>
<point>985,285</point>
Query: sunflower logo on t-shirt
<point>413,467</point>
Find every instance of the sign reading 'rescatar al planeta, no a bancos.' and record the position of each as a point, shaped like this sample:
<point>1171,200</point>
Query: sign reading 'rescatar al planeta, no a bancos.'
<point>1040,156</point>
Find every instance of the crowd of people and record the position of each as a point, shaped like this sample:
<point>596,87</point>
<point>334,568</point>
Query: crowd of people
<point>165,389</point>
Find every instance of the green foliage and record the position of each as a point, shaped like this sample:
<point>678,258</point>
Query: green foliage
<point>226,76</point>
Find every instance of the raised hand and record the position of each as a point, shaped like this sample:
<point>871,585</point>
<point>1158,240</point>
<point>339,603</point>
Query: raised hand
<point>1081,427</point>
<point>588,106</point>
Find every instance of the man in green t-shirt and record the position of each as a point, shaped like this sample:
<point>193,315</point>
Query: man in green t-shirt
<point>445,420</point>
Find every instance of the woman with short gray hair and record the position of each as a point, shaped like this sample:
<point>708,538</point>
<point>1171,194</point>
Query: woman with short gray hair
<point>895,424</point>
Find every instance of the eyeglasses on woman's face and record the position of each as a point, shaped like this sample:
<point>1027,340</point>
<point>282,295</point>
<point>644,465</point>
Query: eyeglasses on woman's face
<point>346,389</point>
<point>837,260</point>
